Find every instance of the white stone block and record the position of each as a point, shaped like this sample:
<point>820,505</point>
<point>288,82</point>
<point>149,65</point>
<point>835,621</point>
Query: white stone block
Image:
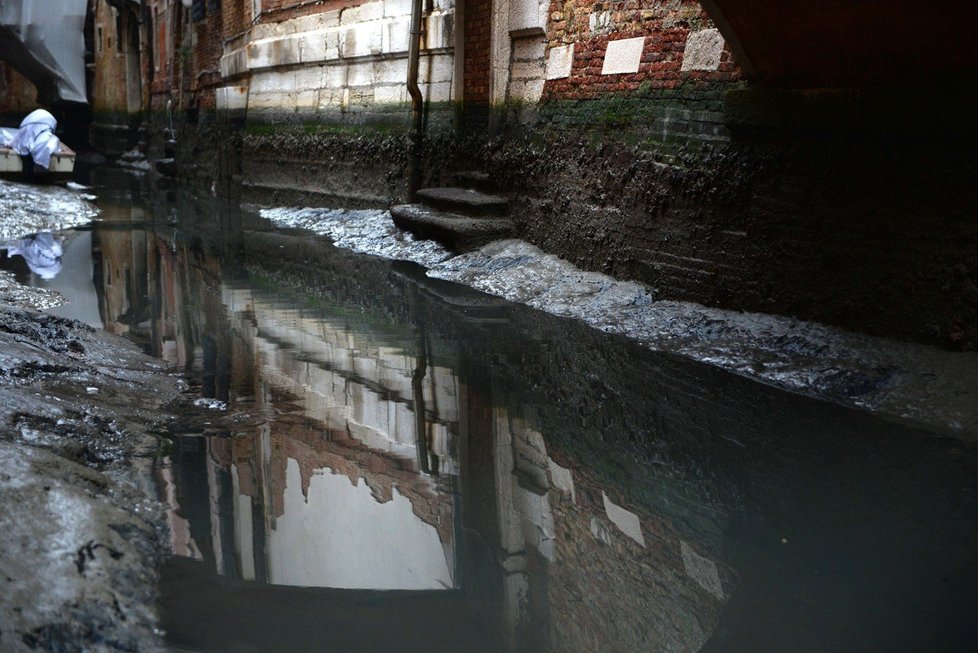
<point>559,61</point>
<point>393,8</point>
<point>623,56</point>
<point>335,76</point>
<point>436,68</point>
<point>438,92</point>
<point>362,13</point>
<point>319,46</point>
<point>529,90</point>
<point>526,70</point>
<point>234,63</point>
<point>626,521</point>
<point>703,50</point>
<point>316,22</point>
<point>230,98</point>
<point>439,33</point>
<point>397,33</point>
<point>526,17</point>
<point>307,99</point>
<point>360,74</point>
<point>529,49</point>
<point>392,94</point>
<point>390,71</point>
<point>309,77</point>
<point>362,40</point>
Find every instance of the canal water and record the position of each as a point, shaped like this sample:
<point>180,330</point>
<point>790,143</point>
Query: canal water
<point>376,460</point>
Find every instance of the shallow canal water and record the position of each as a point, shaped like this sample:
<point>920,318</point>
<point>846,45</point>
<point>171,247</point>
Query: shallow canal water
<point>382,461</point>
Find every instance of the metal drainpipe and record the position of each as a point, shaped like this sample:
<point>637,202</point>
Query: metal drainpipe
<point>417,101</point>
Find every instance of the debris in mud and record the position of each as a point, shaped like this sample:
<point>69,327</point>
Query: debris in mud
<point>79,527</point>
<point>366,231</point>
<point>27,209</point>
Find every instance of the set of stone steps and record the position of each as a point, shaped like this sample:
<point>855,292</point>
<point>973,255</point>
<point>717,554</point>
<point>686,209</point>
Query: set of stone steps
<point>462,218</point>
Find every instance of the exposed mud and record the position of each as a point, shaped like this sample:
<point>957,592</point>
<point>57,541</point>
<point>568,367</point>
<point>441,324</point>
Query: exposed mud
<point>29,209</point>
<point>920,383</point>
<point>79,521</point>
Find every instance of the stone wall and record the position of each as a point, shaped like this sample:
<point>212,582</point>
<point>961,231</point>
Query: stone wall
<point>342,60</point>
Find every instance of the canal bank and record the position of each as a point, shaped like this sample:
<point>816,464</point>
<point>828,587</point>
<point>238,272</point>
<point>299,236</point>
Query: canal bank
<point>81,535</point>
<point>844,208</point>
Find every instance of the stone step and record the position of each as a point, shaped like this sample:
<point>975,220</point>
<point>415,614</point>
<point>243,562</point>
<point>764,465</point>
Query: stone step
<point>474,179</point>
<point>461,233</point>
<point>464,201</point>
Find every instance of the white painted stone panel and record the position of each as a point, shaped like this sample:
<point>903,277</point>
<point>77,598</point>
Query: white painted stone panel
<point>626,521</point>
<point>703,50</point>
<point>702,570</point>
<point>559,61</point>
<point>623,56</point>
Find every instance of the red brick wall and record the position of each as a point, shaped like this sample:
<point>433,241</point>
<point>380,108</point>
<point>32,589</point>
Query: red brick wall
<point>664,23</point>
<point>207,59</point>
<point>478,32</point>
<point>17,93</point>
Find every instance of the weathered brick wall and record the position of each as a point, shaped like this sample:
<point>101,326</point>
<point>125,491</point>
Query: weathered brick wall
<point>17,94</point>
<point>207,59</point>
<point>666,26</point>
<point>478,32</point>
<point>109,86</point>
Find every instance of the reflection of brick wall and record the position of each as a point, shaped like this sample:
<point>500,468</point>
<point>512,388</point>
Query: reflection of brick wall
<point>665,24</point>
<point>607,593</point>
<point>478,32</point>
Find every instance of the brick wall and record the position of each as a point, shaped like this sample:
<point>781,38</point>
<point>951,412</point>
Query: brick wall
<point>665,24</point>
<point>17,94</point>
<point>207,59</point>
<point>478,33</point>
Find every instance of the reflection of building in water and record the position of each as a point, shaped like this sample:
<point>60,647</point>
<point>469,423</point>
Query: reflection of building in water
<point>336,488</point>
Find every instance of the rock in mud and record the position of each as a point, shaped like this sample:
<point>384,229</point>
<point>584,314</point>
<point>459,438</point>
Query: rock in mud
<point>80,534</point>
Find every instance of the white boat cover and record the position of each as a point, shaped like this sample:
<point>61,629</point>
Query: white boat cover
<point>41,251</point>
<point>35,137</point>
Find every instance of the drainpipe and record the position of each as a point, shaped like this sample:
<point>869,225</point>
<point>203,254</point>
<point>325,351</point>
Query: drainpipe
<point>417,101</point>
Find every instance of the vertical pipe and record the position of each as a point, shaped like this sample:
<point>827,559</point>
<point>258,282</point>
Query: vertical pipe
<point>417,101</point>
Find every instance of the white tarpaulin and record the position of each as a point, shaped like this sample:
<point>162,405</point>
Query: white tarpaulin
<point>44,41</point>
<point>35,137</point>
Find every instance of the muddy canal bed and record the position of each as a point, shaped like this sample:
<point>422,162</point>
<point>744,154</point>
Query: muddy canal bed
<point>369,458</point>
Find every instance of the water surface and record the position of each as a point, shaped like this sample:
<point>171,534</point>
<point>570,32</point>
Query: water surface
<point>390,462</point>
